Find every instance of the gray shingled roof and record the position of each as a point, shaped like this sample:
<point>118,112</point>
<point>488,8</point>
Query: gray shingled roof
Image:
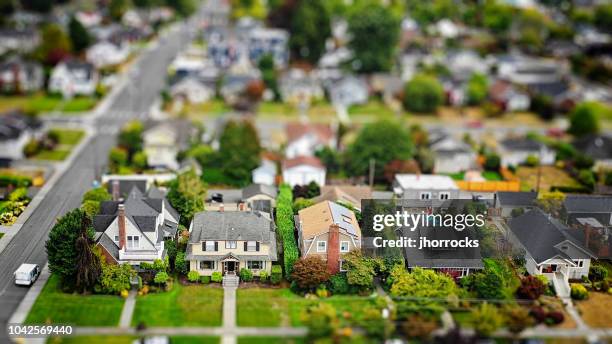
<point>521,144</point>
<point>588,204</point>
<point>544,237</point>
<point>126,186</point>
<point>231,225</point>
<point>517,199</point>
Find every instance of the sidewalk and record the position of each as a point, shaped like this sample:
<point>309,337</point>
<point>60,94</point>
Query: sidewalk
<point>229,315</point>
<point>128,310</point>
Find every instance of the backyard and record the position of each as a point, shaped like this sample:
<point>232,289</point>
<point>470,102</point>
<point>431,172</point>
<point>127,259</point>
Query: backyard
<point>550,176</point>
<point>280,307</point>
<point>41,102</point>
<point>67,139</point>
<point>55,307</point>
<point>182,306</point>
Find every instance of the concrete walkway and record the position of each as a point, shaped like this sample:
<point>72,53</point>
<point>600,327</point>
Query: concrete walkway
<point>128,310</point>
<point>21,313</point>
<point>229,315</point>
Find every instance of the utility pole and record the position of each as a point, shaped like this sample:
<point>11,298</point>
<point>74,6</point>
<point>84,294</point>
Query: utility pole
<point>539,171</point>
<point>371,174</point>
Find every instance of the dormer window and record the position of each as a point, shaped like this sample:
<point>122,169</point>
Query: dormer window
<point>133,241</point>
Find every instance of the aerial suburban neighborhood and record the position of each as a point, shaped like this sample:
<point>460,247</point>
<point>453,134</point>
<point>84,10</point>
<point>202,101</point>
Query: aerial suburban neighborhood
<point>306,171</point>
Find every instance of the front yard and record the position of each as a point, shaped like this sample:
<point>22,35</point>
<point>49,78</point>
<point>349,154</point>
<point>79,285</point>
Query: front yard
<point>67,139</point>
<point>280,307</point>
<point>55,307</point>
<point>595,310</point>
<point>182,306</point>
<point>41,102</point>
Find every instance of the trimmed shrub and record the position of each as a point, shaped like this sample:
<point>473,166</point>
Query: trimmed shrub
<point>204,279</point>
<point>579,292</point>
<point>598,273</point>
<point>263,276</point>
<point>193,276</point>
<point>181,265</point>
<point>246,275</point>
<point>555,317</point>
<point>276,275</point>
<point>216,277</point>
<point>339,284</point>
<point>531,287</point>
<point>284,223</point>
<point>161,277</point>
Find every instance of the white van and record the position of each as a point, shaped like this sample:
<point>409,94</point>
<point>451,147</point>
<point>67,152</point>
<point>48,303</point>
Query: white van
<point>27,274</point>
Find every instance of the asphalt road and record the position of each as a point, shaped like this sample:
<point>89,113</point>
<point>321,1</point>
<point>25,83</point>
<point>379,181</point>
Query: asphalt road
<point>28,245</point>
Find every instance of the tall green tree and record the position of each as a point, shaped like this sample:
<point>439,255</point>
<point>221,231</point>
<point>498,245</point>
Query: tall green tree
<point>310,28</point>
<point>239,151</point>
<point>61,246</point>
<point>423,93</point>
<point>603,17</point>
<point>374,33</point>
<point>269,75</point>
<point>477,89</point>
<point>130,137</point>
<point>584,120</point>
<point>54,45</point>
<point>88,267</point>
<point>79,36</point>
<point>381,142</point>
<point>186,195</point>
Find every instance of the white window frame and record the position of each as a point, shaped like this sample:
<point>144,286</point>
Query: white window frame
<point>262,264</point>
<point>447,194</point>
<point>348,245</point>
<point>210,246</point>
<point>319,249</point>
<point>208,261</point>
<point>116,238</point>
<point>231,244</point>
<point>427,194</point>
<point>342,269</point>
<point>251,246</point>
<point>132,240</point>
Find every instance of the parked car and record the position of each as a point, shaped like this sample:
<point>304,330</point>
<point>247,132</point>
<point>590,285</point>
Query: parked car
<point>27,274</point>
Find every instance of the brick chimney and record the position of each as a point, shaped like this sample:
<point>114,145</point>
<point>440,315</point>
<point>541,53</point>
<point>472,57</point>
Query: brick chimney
<point>221,207</point>
<point>121,223</point>
<point>241,206</point>
<point>333,249</point>
<point>115,190</point>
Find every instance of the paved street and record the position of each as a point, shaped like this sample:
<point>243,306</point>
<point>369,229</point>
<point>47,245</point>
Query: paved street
<point>144,85</point>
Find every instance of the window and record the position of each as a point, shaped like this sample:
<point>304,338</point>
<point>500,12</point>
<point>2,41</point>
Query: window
<point>346,219</point>
<point>116,238</point>
<point>344,246</point>
<point>342,267</point>
<point>210,246</point>
<point>231,244</point>
<point>207,265</point>
<point>321,246</point>
<point>251,246</point>
<point>444,195</point>
<point>579,263</point>
<point>133,241</point>
<point>425,195</point>
<point>256,264</point>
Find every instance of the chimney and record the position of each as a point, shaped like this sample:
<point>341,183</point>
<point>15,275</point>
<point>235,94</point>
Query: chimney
<point>121,222</point>
<point>221,207</point>
<point>115,190</point>
<point>241,206</point>
<point>333,249</point>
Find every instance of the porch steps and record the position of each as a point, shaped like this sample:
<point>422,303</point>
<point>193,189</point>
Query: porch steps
<point>231,281</point>
<point>561,285</point>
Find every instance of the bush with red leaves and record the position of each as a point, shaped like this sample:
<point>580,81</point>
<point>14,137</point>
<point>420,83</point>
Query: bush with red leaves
<point>531,288</point>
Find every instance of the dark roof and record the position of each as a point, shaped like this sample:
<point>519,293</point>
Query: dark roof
<point>125,186</point>
<point>231,225</point>
<point>598,147</point>
<point>259,189</point>
<point>516,199</point>
<point>588,204</point>
<point>14,123</point>
<point>522,144</point>
<point>544,237</point>
<point>109,246</point>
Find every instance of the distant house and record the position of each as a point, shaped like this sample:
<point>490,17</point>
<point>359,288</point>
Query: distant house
<point>304,139</point>
<point>192,90</point>
<point>16,129</point>
<point>345,194</point>
<point>350,90</point>
<point>162,141</point>
<point>514,151</point>
<point>451,155</point>
<point>302,170</point>
<point>17,76</point>
<point>19,40</point>
<point>328,230</point>
<point>523,70</point>
<point>73,77</point>
<point>464,63</point>
<point>107,53</point>
<point>259,197</point>
<point>296,85</point>
<point>425,187</point>
<point>508,201</point>
<point>508,97</point>
<point>549,249</point>
<point>598,147</point>
<point>588,206</point>
<point>89,18</point>
<point>265,173</point>
<point>266,41</point>
<point>226,242</point>
<point>133,231</point>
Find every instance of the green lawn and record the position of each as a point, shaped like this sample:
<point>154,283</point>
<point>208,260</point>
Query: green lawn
<point>54,155</point>
<point>372,108</point>
<point>270,340</point>
<point>92,340</point>
<point>456,176</point>
<point>182,306</point>
<point>463,318</point>
<point>1,235</point>
<point>55,307</point>
<point>41,102</point>
<point>212,107</point>
<point>280,307</point>
<point>68,138</point>
<point>492,176</point>
<point>194,340</point>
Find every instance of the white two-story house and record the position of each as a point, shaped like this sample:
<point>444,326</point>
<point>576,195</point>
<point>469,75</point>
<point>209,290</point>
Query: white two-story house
<point>133,231</point>
<point>227,241</point>
<point>73,77</point>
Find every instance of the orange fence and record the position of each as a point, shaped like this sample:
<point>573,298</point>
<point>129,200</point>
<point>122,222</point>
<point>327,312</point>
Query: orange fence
<point>489,186</point>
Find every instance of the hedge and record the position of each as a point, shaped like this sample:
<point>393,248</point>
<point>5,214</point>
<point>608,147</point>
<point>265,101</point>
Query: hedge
<point>284,223</point>
<point>14,180</point>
